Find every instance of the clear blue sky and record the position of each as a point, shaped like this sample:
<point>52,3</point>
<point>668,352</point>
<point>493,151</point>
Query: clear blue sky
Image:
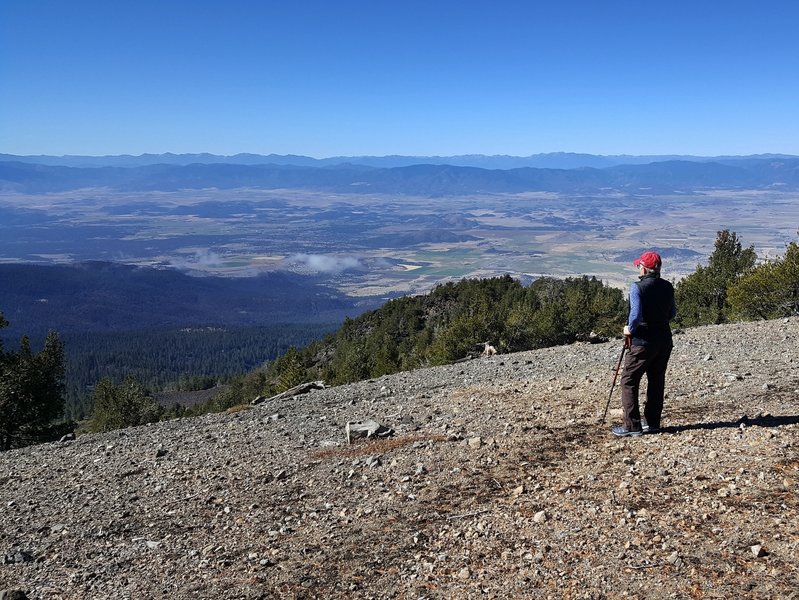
<point>345,77</point>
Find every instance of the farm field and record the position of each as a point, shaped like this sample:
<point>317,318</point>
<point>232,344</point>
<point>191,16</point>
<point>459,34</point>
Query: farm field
<point>383,245</point>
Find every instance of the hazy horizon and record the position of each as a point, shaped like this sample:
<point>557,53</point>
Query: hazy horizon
<point>390,155</point>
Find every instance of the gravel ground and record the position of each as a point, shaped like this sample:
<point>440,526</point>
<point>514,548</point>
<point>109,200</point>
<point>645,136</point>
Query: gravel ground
<point>498,483</point>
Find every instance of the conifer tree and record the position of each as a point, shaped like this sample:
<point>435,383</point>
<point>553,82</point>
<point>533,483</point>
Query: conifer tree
<point>125,405</point>
<point>702,295</point>
<point>770,290</point>
<point>290,370</point>
<point>31,390</point>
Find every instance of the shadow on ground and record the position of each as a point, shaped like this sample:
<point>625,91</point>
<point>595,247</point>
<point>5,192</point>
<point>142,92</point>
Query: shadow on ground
<point>758,421</point>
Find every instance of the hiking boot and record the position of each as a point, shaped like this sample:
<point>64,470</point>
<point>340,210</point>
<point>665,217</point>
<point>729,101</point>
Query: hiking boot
<point>645,428</point>
<point>622,431</point>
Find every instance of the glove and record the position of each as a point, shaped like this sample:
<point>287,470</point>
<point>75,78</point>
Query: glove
<point>627,331</point>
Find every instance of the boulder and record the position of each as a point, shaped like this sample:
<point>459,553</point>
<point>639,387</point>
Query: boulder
<point>366,429</point>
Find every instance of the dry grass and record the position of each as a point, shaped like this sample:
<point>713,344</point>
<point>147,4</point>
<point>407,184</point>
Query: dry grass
<point>238,408</point>
<point>364,447</point>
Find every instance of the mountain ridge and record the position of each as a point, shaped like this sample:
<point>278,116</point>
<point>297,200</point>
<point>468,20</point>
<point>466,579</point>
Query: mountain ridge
<point>419,179</point>
<point>556,160</point>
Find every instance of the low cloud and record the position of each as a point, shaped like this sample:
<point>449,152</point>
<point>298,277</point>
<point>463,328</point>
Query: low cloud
<point>201,259</point>
<point>321,263</point>
<point>206,258</point>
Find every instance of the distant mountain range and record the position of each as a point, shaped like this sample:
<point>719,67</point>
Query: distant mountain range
<point>550,160</point>
<point>426,178</point>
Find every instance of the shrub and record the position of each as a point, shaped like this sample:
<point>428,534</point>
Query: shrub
<point>31,391</point>
<point>125,405</point>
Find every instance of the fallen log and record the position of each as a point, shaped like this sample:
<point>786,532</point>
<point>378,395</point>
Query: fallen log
<point>297,390</point>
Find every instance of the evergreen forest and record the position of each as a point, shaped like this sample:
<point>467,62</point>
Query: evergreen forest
<point>167,359</point>
<point>112,377</point>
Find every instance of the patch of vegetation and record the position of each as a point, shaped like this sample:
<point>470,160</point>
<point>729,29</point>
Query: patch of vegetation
<point>366,447</point>
<point>31,392</point>
<point>451,322</point>
<point>125,405</point>
<point>733,286</point>
<point>174,359</point>
<point>768,291</point>
<point>702,295</point>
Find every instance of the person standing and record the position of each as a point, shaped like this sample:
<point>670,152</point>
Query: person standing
<point>648,337</point>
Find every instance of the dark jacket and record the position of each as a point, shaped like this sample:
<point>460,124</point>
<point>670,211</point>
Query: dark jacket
<point>657,308</point>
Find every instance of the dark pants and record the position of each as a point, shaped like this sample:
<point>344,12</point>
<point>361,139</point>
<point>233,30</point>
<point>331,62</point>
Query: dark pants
<point>651,359</point>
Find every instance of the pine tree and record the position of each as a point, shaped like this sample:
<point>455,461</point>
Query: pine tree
<point>770,290</point>
<point>125,405</point>
<point>31,390</point>
<point>702,295</point>
<point>290,369</point>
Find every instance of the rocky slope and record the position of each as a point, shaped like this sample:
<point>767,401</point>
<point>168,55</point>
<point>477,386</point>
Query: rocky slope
<point>499,482</point>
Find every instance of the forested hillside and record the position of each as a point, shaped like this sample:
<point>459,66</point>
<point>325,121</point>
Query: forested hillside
<point>452,322</point>
<point>103,296</point>
<point>455,321</point>
<point>168,359</point>
<point>161,325</point>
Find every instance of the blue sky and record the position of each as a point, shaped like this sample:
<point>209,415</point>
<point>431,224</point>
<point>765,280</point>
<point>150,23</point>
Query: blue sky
<point>344,77</point>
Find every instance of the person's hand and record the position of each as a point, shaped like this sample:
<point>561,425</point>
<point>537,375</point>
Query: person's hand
<point>627,331</point>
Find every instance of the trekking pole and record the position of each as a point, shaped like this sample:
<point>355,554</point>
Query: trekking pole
<point>615,375</point>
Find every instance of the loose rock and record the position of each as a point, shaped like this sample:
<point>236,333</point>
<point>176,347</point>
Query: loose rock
<point>244,505</point>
